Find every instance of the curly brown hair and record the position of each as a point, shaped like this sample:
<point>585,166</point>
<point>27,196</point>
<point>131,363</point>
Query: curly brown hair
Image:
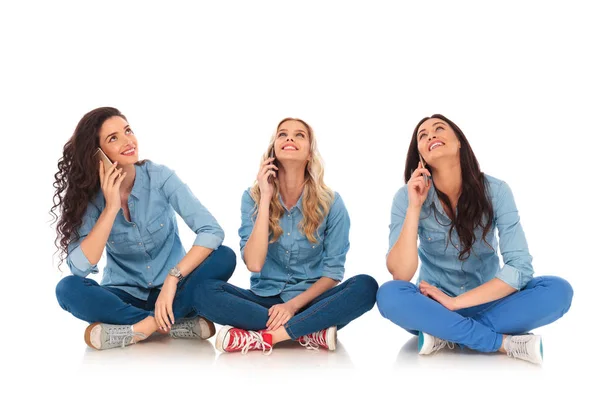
<point>77,180</point>
<point>474,208</point>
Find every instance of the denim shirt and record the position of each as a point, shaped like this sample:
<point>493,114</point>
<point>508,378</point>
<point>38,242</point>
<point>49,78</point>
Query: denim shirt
<point>440,265</point>
<point>140,253</point>
<point>293,263</point>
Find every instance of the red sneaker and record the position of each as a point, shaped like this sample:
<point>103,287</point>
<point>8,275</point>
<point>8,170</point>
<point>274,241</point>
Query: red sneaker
<point>325,338</point>
<point>232,339</point>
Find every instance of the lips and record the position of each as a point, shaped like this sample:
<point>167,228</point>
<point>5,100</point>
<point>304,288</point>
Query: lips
<point>129,152</point>
<point>435,144</point>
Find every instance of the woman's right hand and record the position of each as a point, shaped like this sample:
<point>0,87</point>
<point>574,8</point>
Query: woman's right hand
<point>417,189</point>
<point>110,182</point>
<point>265,185</point>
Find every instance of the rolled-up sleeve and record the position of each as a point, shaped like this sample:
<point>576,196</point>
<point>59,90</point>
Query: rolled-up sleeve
<point>76,260</point>
<point>517,270</point>
<point>248,208</point>
<point>399,207</point>
<point>208,231</point>
<point>337,240</point>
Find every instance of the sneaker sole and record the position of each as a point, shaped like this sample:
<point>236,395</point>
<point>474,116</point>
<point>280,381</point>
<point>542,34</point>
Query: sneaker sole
<point>331,338</point>
<point>221,338</point>
<point>87,336</point>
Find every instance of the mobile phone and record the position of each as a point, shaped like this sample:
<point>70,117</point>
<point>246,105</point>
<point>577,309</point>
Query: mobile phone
<point>99,154</point>
<point>271,155</point>
<point>425,176</point>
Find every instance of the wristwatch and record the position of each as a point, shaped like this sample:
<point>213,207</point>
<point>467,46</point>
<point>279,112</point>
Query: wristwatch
<point>176,273</point>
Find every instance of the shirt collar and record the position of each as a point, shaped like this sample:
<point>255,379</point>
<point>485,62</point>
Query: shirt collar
<point>298,203</point>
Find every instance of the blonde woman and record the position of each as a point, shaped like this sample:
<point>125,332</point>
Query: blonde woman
<point>294,240</point>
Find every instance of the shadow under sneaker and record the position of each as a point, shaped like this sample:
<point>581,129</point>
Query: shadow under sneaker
<point>192,328</point>
<point>525,347</point>
<point>106,336</point>
<point>430,344</point>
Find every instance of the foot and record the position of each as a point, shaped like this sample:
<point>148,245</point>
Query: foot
<point>232,339</point>
<point>326,339</point>
<point>192,328</point>
<point>525,347</point>
<point>430,344</point>
<point>105,336</point>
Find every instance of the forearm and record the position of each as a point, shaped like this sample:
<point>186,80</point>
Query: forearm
<point>257,245</point>
<point>317,289</point>
<point>403,259</point>
<point>94,243</point>
<point>492,290</point>
<point>193,259</point>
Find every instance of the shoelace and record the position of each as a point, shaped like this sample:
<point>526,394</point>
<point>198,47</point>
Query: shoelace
<point>440,344</point>
<point>517,347</point>
<point>184,329</point>
<point>248,341</point>
<point>123,335</point>
<point>313,341</point>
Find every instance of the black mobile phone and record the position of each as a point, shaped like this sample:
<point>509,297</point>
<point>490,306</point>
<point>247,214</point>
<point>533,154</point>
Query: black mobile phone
<point>425,176</point>
<point>100,156</point>
<point>271,155</point>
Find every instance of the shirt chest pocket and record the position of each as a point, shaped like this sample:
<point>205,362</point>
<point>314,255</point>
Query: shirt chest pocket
<point>159,229</point>
<point>120,243</point>
<point>309,251</point>
<point>433,242</point>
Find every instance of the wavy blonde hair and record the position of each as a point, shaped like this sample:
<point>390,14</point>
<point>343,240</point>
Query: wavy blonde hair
<point>317,197</point>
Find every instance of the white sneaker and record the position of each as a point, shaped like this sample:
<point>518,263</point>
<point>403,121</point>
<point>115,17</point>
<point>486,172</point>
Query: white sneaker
<point>192,328</point>
<point>525,347</point>
<point>430,344</point>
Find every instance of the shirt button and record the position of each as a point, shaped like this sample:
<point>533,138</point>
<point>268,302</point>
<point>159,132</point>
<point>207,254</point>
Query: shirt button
<point>313,247</point>
<point>112,242</point>
<point>140,243</point>
<point>134,225</point>
<point>289,215</point>
<point>148,267</point>
<point>428,238</point>
<point>286,252</point>
<point>462,287</point>
<point>149,283</point>
<point>288,234</point>
<point>161,225</point>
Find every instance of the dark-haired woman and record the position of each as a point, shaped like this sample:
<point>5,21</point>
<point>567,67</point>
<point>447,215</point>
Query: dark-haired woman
<point>462,296</point>
<point>128,208</point>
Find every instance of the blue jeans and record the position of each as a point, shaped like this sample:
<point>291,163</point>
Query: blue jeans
<point>243,309</point>
<point>544,300</point>
<point>91,302</point>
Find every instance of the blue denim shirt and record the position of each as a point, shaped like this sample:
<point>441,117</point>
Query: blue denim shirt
<point>140,253</point>
<point>440,265</point>
<point>293,263</point>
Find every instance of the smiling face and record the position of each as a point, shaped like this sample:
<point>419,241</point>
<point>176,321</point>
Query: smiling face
<point>118,142</point>
<point>292,141</point>
<point>436,139</point>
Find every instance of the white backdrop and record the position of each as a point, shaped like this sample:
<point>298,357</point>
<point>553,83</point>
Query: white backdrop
<point>203,86</point>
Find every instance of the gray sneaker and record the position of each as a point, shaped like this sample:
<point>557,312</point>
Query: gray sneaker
<point>192,328</point>
<point>430,344</point>
<point>105,336</point>
<point>525,347</point>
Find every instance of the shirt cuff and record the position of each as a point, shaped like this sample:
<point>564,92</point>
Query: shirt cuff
<point>208,240</point>
<point>79,264</point>
<point>335,273</point>
<point>512,276</point>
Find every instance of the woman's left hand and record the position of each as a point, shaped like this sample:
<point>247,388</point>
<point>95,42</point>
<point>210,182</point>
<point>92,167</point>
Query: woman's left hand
<point>279,314</point>
<point>163,308</point>
<point>439,296</point>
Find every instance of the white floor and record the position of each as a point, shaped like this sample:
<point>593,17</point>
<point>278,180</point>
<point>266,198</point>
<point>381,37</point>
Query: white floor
<point>374,357</point>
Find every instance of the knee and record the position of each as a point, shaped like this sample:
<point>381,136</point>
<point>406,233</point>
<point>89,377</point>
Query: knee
<point>367,286</point>
<point>66,288</point>
<point>388,295</point>
<point>226,257</point>
<point>562,291</point>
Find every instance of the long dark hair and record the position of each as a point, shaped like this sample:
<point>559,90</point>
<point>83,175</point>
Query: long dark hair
<point>474,206</point>
<point>77,180</point>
